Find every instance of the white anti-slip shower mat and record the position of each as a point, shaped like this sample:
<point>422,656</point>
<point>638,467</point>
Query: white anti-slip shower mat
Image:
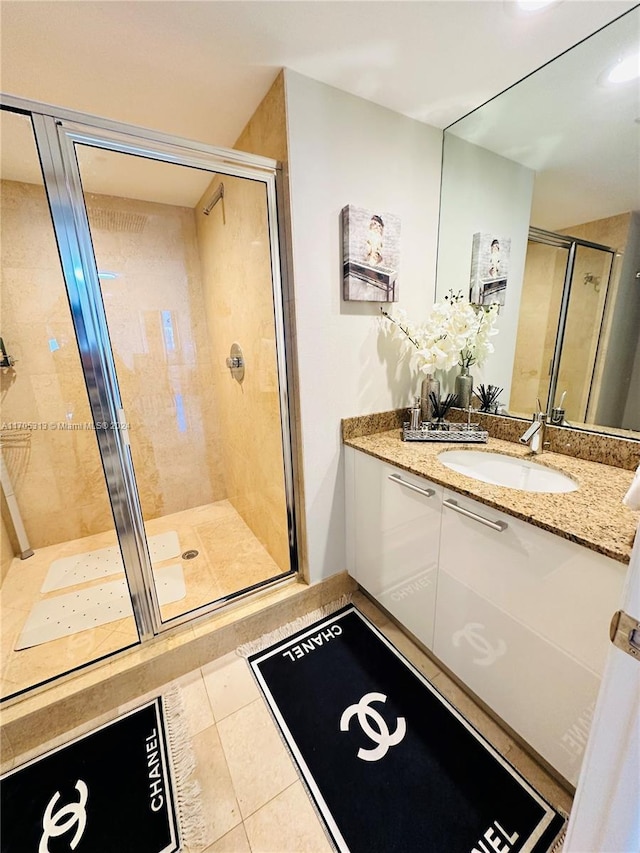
<point>97,605</point>
<point>93,565</point>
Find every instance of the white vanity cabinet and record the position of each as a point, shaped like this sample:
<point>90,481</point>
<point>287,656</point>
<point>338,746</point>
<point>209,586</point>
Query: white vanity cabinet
<point>523,618</point>
<point>393,531</point>
<point>520,615</point>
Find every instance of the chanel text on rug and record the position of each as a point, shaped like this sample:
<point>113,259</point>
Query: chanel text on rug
<point>389,763</point>
<point>109,791</point>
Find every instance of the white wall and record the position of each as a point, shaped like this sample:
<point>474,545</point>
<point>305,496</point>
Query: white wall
<point>484,192</point>
<point>345,150</point>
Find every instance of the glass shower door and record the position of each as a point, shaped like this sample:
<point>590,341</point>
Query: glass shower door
<point>540,302</point>
<point>582,331</point>
<point>64,599</point>
<point>184,263</point>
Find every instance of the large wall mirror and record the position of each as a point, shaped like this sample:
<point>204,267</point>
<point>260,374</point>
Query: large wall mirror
<point>548,173</point>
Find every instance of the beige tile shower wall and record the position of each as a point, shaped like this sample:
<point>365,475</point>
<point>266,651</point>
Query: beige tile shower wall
<point>266,135</point>
<point>155,310</point>
<point>234,248</point>
<point>266,131</point>
<point>237,287</point>
<point>56,472</point>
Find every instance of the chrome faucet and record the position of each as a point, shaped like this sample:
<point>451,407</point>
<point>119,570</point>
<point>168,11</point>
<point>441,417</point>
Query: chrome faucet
<point>534,436</point>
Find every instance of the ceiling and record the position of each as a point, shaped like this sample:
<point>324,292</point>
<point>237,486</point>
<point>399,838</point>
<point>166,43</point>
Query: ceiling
<point>199,69</point>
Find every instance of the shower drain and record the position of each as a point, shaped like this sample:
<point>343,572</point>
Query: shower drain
<point>189,555</point>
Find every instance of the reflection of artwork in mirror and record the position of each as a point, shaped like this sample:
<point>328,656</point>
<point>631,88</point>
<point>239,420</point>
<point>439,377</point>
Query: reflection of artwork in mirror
<point>489,269</point>
<point>371,255</point>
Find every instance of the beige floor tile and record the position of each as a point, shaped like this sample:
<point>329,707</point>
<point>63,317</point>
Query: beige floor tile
<point>10,627</point>
<point>244,770</point>
<point>196,702</point>
<point>36,664</point>
<point>245,735</point>
<point>125,626</point>
<point>217,797</point>
<point>201,588</point>
<point>244,570</point>
<point>233,842</point>
<point>119,638</point>
<point>8,688</point>
<point>237,558</point>
<point>545,784</point>
<point>287,824</point>
<point>230,685</point>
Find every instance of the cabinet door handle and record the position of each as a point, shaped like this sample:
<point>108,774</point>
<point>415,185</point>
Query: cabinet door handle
<point>494,525</point>
<point>428,493</point>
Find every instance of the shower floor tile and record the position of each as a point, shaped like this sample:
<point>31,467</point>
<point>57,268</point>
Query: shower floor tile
<point>230,558</point>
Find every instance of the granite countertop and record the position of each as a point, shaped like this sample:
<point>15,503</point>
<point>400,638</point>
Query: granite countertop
<point>593,516</point>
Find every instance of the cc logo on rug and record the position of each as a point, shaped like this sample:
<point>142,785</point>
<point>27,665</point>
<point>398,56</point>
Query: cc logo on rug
<point>51,823</point>
<point>381,734</point>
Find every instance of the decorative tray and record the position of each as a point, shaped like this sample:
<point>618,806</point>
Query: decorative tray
<point>461,434</point>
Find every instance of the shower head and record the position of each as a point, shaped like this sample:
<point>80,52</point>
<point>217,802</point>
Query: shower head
<point>215,198</point>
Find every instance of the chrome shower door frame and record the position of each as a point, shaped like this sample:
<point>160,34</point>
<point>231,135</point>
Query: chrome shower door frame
<point>562,241</point>
<point>57,132</point>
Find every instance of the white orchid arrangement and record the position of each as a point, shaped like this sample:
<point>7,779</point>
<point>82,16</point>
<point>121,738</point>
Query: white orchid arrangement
<point>456,332</point>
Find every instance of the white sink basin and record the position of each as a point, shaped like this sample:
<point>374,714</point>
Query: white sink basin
<point>507,471</point>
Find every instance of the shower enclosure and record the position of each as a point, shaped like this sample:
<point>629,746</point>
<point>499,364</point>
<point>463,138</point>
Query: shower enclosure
<point>145,414</point>
<point>563,318</point>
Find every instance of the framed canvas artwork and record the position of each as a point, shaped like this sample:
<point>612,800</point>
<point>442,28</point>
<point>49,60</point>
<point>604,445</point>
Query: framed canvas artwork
<point>370,255</point>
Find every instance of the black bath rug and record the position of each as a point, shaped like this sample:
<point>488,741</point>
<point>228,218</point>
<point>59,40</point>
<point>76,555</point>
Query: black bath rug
<point>389,763</point>
<point>109,791</point>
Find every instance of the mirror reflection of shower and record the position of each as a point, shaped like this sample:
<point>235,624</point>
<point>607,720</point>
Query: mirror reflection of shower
<point>576,302</point>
